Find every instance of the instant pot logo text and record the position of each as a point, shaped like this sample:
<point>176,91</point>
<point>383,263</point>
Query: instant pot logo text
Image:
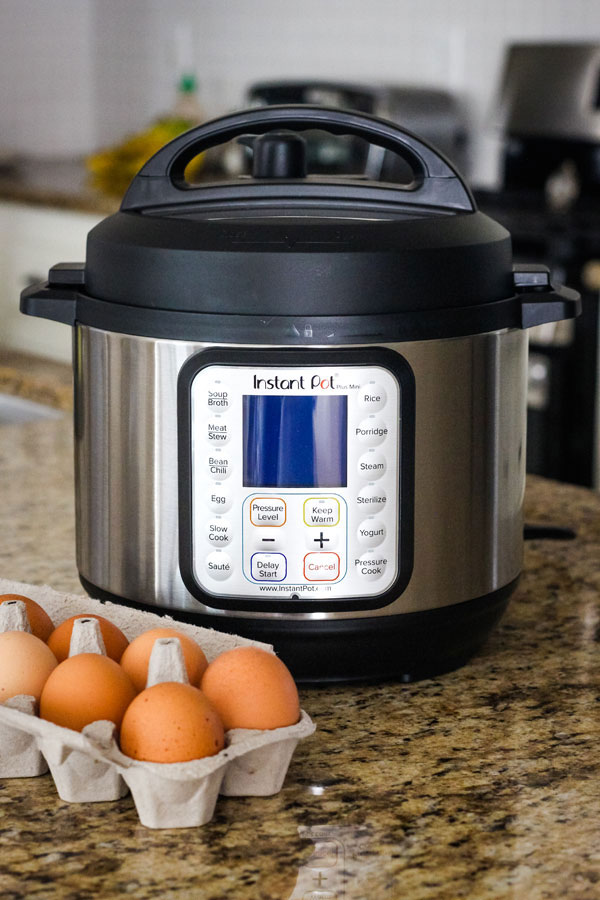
<point>301,383</point>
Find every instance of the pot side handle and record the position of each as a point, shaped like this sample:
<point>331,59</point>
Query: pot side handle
<point>540,300</point>
<point>55,299</point>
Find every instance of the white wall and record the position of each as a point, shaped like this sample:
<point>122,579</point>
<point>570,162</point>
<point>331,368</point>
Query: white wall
<point>79,73</point>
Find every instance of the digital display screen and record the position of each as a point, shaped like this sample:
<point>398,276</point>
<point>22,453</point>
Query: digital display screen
<point>295,441</point>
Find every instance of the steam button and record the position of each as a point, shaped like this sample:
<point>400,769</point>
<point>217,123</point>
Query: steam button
<point>372,465</point>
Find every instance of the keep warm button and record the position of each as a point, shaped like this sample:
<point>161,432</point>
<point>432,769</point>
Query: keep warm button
<point>321,566</point>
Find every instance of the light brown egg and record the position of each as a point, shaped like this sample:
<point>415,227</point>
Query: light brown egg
<point>171,722</point>
<point>25,664</point>
<point>137,656</point>
<point>85,688</point>
<point>114,639</point>
<point>39,621</point>
<point>251,688</point>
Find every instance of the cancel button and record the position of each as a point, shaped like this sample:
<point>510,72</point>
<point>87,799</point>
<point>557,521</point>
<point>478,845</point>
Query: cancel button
<point>370,566</point>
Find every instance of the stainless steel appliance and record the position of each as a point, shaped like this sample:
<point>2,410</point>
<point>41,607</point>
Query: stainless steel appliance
<point>300,400</point>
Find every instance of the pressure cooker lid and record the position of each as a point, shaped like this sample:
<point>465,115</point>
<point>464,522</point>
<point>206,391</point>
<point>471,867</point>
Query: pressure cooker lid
<point>282,241</point>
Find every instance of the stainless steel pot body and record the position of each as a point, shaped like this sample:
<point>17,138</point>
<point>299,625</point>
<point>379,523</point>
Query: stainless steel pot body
<point>469,469</point>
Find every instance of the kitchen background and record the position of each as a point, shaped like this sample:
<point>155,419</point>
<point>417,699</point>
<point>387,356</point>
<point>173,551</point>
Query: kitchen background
<point>80,75</point>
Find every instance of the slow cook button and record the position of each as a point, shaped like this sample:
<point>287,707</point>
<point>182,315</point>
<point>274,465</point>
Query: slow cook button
<point>218,532</point>
<point>372,465</point>
<point>371,397</point>
<point>218,501</point>
<point>217,432</point>
<point>371,532</point>
<point>370,566</point>
<point>219,466</point>
<point>219,565</point>
<point>321,566</point>
<point>371,499</point>
<point>268,566</point>
<point>268,511</point>
<point>371,431</point>
<point>218,396</point>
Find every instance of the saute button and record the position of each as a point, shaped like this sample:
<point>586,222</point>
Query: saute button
<point>218,532</point>
<point>370,566</point>
<point>219,565</point>
<point>217,432</point>
<point>268,566</point>
<point>321,566</point>
<point>218,396</point>
<point>371,499</point>
<point>371,397</point>
<point>322,511</point>
<point>371,431</point>
<point>218,501</point>
<point>219,466</point>
<point>372,465</point>
<point>268,511</point>
<point>371,532</point>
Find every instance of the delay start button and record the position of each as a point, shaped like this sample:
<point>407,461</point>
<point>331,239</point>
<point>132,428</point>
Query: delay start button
<point>268,566</point>
<point>370,566</point>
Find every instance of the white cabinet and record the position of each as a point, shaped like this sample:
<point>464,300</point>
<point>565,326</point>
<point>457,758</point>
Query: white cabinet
<point>32,239</point>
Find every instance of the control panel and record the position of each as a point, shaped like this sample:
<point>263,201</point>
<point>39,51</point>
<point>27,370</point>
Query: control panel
<point>295,490</point>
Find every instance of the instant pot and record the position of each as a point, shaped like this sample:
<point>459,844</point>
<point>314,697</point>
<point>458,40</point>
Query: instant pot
<point>300,401</point>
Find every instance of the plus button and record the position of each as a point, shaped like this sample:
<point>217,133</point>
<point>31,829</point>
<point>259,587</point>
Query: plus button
<point>321,541</point>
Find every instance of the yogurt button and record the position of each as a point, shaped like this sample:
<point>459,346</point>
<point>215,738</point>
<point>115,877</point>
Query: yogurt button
<point>219,565</point>
<point>218,532</point>
<point>218,396</point>
<point>372,465</point>
<point>218,501</point>
<point>371,397</point>
<point>217,432</point>
<point>371,431</point>
<point>218,465</point>
<point>371,532</point>
<point>370,566</point>
<point>371,499</point>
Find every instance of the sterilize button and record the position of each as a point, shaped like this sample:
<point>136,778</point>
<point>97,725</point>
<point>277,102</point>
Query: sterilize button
<point>218,532</point>
<point>370,566</point>
<point>219,466</point>
<point>268,566</point>
<point>371,532</point>
<point>371,397</point>
<point>217,431</point>
<point>371,431</point>
<point>372,465</point>
<point>371,499</point>
<point>268,511</point>
<point>321,566</point>
<point>218,396</point>
<point>219,565</point>
<point>218,501</point>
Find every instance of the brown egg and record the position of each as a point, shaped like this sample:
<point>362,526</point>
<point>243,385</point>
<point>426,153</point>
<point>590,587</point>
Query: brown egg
<point>171,722</point>
<point>25,664</point>
<point>39,621</point>
<point>137,656</point>
<point>251,688</point>
<point>85,688</point>
<point>114,639</point>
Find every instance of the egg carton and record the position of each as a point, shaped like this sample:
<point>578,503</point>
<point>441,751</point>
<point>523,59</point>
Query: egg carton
<point>88,766</point>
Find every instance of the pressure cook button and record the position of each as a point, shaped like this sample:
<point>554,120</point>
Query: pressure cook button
<point>371,397</point>
<point>371,431</point>
<point>218,501</point>
<point>219,466</point>
<point>218,532</point>
<point>321,566</point>
<point>217,432</point>
<point>322,511</point>
<point>218,397</point>
<point>370,566</point>
<point>372,465</point>
<point>371,532</point>
<point>268,511</point>
<point>371,499</point>
<point>268,566</point>
<point>219,565</point>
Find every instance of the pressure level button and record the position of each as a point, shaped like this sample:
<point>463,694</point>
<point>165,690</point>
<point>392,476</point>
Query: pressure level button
<point>219,565</point>
<point>372,465</point>
<point>371,397</point>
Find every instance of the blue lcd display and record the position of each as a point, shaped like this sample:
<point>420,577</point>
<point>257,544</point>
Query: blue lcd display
<point>295,441</point>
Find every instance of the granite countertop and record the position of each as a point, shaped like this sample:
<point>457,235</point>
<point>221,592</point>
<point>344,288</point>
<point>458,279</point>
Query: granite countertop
<point>58,183</point>
<point>35,378</point>
<point>481,783</point>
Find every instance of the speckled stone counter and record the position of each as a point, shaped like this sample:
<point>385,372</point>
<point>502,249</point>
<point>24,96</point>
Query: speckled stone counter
<point>34,378</point>
<point>482,783</point>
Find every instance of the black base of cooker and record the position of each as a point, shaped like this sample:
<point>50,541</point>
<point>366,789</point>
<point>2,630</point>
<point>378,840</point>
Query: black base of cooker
<point>404,647</point>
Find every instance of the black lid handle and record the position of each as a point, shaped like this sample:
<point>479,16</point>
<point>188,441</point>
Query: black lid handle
<point>161,180</point>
